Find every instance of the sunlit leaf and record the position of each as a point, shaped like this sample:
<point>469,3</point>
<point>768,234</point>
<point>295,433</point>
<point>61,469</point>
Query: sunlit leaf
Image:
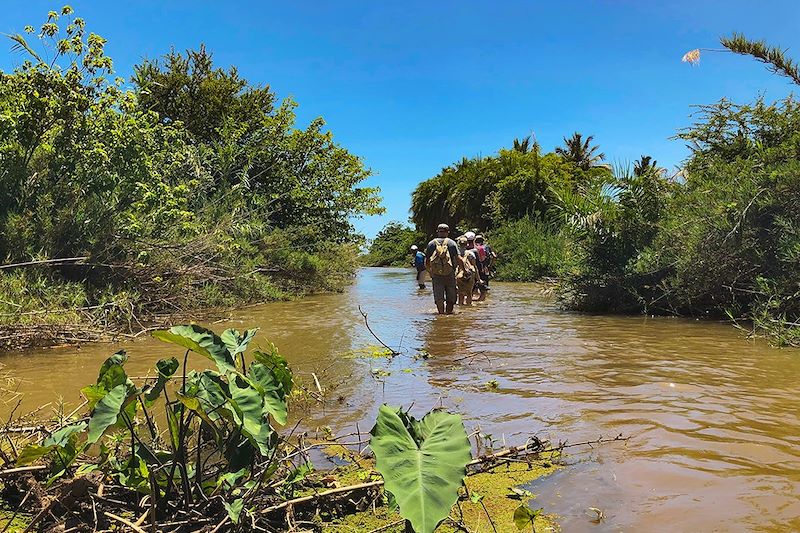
<point>248,406</point>
<point>272,390</point>
<point>32,453</point>
<point>201,341</point>
<point>61,437</point>
<point>234,509</point>
<point>106,412</point>
<point>237,342</point>
<point>424,477</point>
<point>524,517</point>
<point>279,366</point>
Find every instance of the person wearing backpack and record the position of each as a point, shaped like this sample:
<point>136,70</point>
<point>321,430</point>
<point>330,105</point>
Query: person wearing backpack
<point>467,273</point>
<point>478,286</point>
<point>419,264</point>
<point>486,258</point>
<point>441,261</point>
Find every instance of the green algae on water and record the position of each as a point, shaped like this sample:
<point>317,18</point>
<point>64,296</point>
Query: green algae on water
<point>489,492</point>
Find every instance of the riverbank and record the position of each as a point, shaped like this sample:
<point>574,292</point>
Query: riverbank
<point>38,308</point>
<point>325,500</point>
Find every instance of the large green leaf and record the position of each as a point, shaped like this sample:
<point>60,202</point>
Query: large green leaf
<point>247,404</point>
<point>31,453</point>
<point>249,407</point>
<point>166,369</point>
<point>115,375</point>
<point>118,358</point>
<point>199,340</point>
<point>272,391</point>
<point>93,394</point>
<point>525,517</point>
<point>424,477</point>
<point>106,412</point>
<point>237,342</point>
<point>212,393</point>
<point>266,439</point>
<point>61,436</point>
<point>277,363</point>
<point>112,374</point>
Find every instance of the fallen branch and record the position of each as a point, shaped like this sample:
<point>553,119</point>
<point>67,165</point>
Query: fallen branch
<point>349,488</point>
<point>21,469</point>
<point>366,323</point>
<point>123,521</point>
<point>59,261</point>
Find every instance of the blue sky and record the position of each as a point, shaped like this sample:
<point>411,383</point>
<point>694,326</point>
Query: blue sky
<point>413,86</point>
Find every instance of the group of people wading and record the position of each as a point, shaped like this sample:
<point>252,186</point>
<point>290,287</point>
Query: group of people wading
<point>457,268</point>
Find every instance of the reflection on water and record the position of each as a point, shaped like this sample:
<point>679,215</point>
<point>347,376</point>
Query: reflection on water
<point>713,418</point>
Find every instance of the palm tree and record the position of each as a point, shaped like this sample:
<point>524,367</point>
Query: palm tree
<point>644,165</point>
<point>579,151</point>
<point>523,146</point>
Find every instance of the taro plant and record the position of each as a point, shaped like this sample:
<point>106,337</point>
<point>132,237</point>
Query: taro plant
<point>423,463</point>
<point>220,437</point>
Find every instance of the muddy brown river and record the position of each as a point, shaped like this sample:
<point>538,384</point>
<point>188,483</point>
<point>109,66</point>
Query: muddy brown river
<point>712,417</point>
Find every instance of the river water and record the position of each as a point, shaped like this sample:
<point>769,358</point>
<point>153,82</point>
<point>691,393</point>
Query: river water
<point>712,417</point>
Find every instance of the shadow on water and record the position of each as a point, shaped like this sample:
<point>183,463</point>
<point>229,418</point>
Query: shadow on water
<point>713,417</point>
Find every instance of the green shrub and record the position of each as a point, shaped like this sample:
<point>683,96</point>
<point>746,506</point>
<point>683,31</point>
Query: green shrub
<point>529,250</point>
<point>392,246</point>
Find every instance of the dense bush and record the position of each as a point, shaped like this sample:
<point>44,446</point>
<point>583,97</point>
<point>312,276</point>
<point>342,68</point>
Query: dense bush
<point>191,188</point>
<point>724,240</point>
<point>733,231</point>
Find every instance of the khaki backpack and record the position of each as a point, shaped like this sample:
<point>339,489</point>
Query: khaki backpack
<point>441,262</point>
<point>467,272</point>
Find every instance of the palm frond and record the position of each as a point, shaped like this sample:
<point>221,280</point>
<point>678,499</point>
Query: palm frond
<point>20,44</point>
<point>773,57</point>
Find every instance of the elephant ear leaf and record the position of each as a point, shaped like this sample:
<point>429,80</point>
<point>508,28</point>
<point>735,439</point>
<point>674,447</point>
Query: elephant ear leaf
<point>279,366</point>
<point>31,453</point>
<point>423,476</point>
<point>61,437</point>
<point>118,358</point>
<point>166,369</point>
<point>106,412</point>
<point>202,341</point>
<point>271,389</point>
<point>237,342</point>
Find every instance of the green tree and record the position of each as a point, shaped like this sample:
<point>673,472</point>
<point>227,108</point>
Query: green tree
<point>392,246</point>
<point>644,165</point>
<point>523,145</point>
<point>580,151</point>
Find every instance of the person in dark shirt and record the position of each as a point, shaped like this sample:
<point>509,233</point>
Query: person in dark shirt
<point>485,261</point>
<point>442,258</point>
<point>419,264</point>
